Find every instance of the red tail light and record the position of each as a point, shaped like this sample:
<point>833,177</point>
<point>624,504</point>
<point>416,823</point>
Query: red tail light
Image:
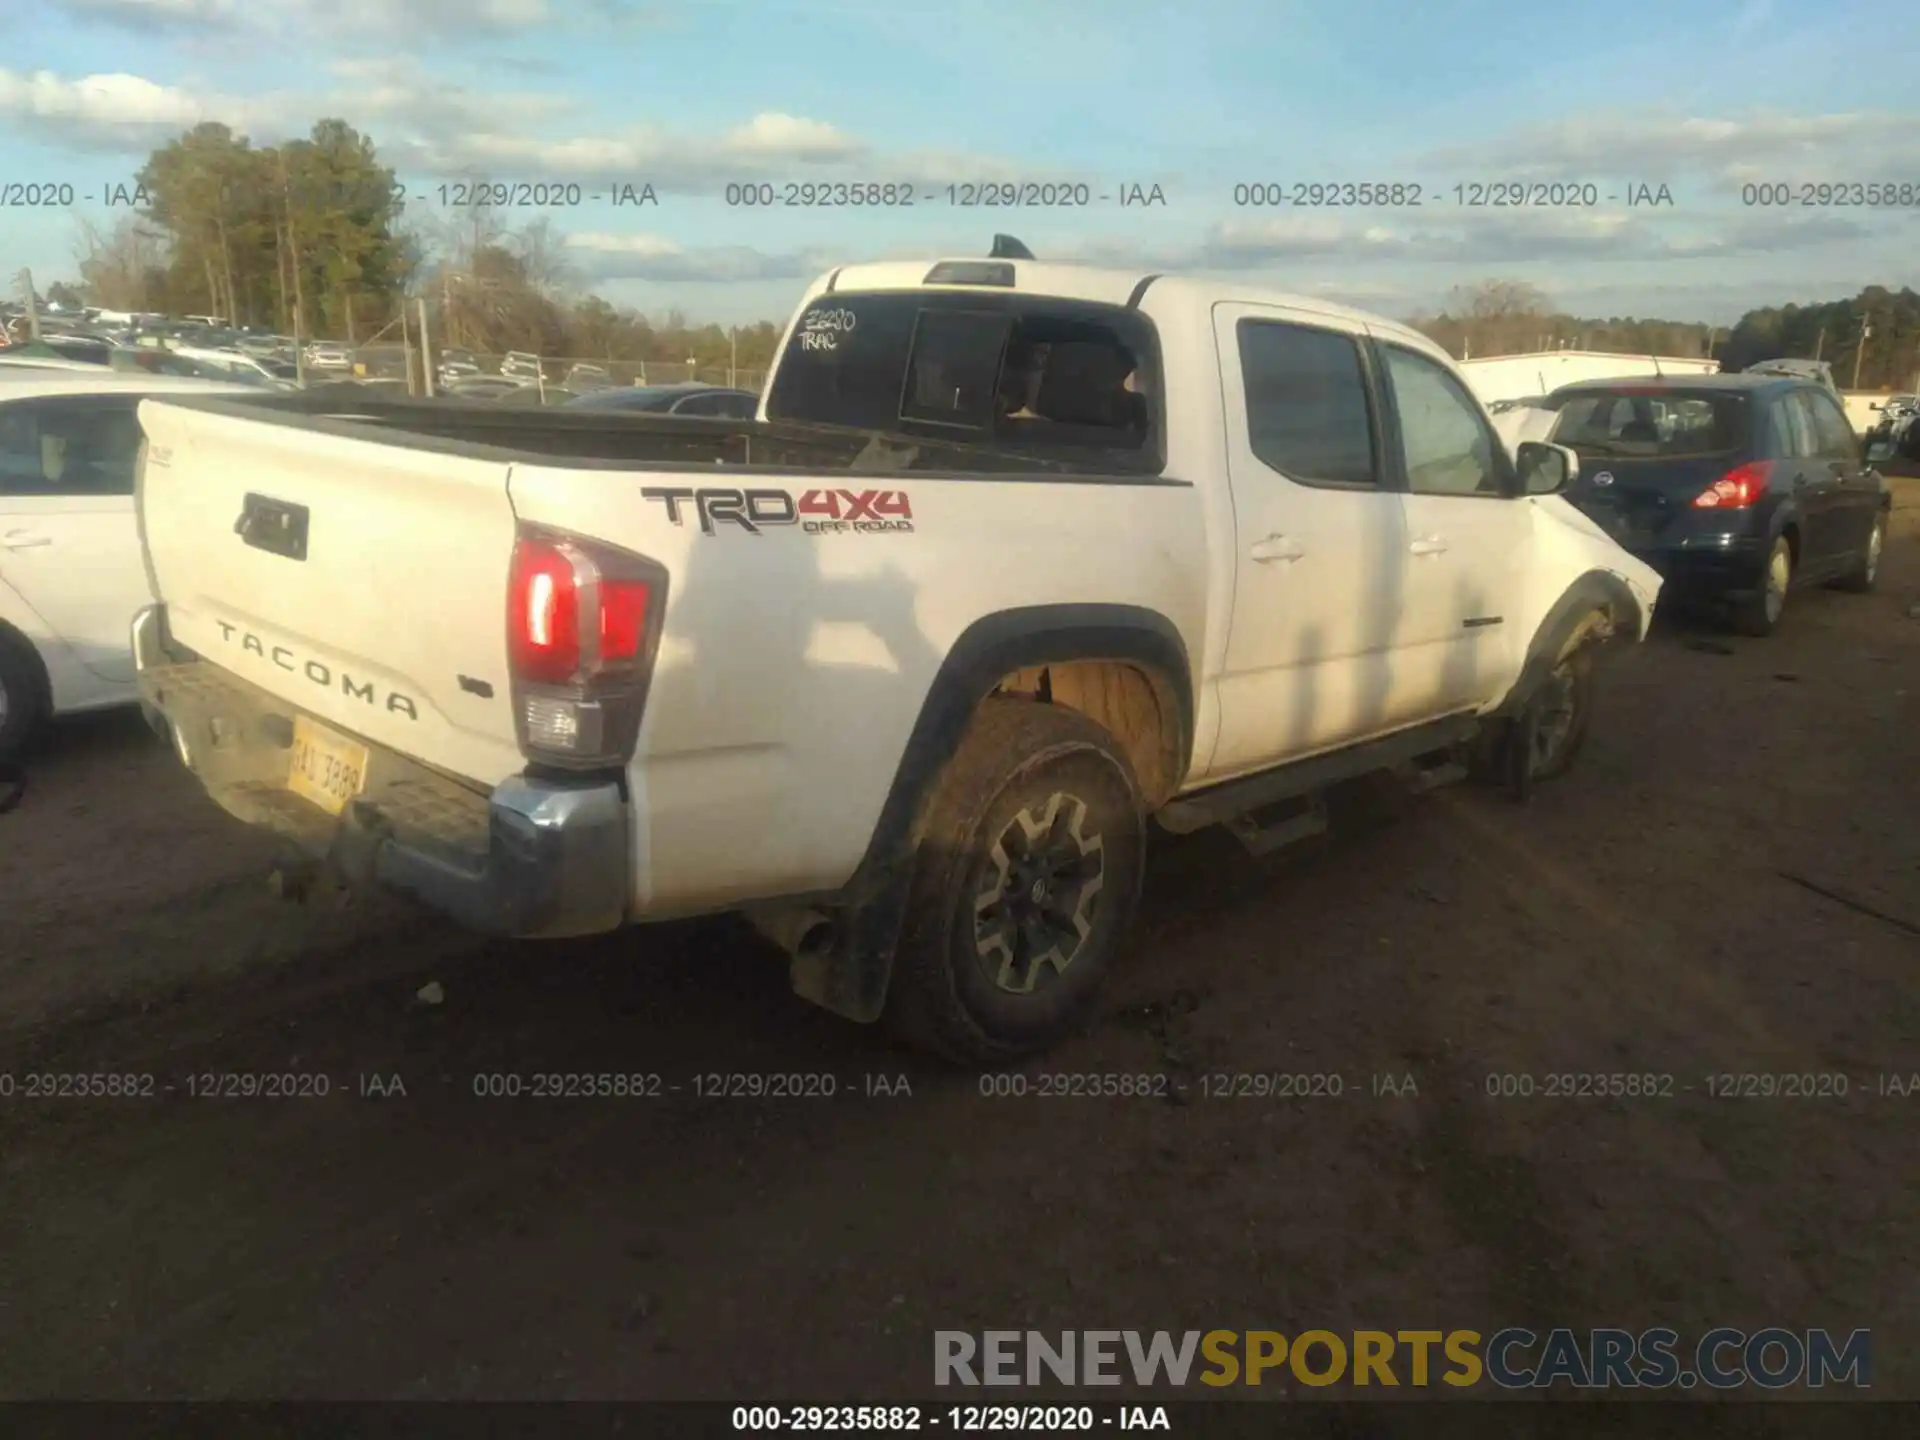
<point>543,614</point>
<point>1738,488</point>
<point>582,619</point>
<point>623,618</point>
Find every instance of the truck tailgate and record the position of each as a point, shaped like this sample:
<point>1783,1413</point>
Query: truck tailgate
<point>387,621</point>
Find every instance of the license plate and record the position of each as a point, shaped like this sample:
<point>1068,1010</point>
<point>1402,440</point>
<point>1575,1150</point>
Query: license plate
<point>327,768</point>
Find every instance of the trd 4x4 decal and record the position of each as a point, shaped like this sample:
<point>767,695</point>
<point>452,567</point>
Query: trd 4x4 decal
<point>817,512</point>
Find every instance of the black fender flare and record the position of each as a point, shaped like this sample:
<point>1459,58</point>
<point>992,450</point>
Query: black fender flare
<point>852,978</point>
<point>1600,590</point>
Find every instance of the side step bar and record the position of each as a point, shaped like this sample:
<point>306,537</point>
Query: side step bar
<point>1264,837</point>
<point>1224,804</point>
<point>1422,778</point>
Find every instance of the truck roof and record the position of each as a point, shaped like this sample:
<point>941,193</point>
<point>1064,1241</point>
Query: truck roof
<point>1099,285</point>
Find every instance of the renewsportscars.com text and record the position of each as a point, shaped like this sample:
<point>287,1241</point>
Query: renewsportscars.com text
<point>1507,1359</point>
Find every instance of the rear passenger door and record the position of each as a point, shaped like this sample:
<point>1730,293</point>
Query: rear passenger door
<point>1319,546</point>
<point>1858,499</point>
<point>1469,535</point>
<point>1812,482</point>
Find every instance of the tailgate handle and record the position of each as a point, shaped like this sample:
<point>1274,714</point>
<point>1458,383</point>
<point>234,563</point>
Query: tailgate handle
<point>278,527</point>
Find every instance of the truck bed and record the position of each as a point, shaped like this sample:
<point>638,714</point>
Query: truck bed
<point>655,442</point>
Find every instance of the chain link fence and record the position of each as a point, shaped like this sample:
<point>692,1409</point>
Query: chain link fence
<point>574,373</point>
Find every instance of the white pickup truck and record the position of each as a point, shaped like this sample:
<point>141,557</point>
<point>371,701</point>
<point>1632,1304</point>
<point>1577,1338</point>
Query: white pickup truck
<point>1015,557</point>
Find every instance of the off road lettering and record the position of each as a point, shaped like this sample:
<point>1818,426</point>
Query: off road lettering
<point>817,511</point>
<point>861,505</point>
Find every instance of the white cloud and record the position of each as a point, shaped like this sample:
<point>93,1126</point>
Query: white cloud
<point>154,17</point>
<point>1371,257</point>
<point>349,20</point>
<point>603,257</point>
<point>426,125</point>
<point>770,146</point>
<point>114,113</point>
<point>442,18</point>
<point>403,94</point>
<point>1362,243</point>
<point>1862,145</point>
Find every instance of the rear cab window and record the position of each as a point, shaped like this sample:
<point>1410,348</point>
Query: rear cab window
<point>1059,379</point>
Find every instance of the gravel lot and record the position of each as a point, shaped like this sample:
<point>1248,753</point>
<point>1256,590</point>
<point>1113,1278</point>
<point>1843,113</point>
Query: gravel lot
<point>1729,882</point>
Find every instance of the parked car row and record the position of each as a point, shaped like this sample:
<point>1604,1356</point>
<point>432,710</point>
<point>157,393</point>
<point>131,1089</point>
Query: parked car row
<point>1894,432</point>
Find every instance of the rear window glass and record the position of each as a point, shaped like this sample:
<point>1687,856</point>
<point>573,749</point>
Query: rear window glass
<point>1049,376</point>
<point>1653,425</point>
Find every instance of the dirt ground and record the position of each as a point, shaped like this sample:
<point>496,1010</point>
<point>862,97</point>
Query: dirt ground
<point>1638,916</point>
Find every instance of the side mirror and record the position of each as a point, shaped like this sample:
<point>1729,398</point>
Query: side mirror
<point>1878,451</point>
<point>1545,469</point>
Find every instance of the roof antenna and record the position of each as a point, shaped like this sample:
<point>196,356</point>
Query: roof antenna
<point>1005,247</point>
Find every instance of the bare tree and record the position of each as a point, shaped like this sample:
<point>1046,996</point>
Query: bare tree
<point>125,268</point>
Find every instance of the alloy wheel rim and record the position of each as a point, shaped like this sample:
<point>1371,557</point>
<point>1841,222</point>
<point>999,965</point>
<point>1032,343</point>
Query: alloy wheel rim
<point>1037,898</point>
<point>1779,572</point>
<point>1874,542</point>
<point>1553,720</point>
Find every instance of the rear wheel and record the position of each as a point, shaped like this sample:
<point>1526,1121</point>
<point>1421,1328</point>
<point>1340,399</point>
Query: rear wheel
<point>1759,613</point>
<point>23,696</point>
<point>1025,887</point>
<point>1867,569</point>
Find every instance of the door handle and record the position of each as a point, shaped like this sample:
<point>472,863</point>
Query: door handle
<point>24,540</point>
<point>1277,547</point>
<point>1429,545</point>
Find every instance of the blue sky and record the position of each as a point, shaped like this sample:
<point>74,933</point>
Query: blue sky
<point>1703,97</point>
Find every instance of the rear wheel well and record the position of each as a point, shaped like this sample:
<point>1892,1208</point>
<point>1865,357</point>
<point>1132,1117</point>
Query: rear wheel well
<point>1130,701</point>
<point>1790,532</point>
<point>1599,625</point>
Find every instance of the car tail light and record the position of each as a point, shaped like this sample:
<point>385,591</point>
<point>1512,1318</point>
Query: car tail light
<point>1738,488</point>
<point>583,622</point>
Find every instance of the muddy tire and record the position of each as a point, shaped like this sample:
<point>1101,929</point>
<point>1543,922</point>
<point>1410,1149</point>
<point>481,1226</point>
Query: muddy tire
<point>1866,570</point>
<point>1552,727</point>
<point>1025,888</point>
<point>1759,613</point>
<point>1563,713</point>
<point>23,696</point>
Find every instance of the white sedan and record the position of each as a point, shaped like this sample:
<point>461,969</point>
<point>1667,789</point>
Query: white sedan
<point>71,576</point>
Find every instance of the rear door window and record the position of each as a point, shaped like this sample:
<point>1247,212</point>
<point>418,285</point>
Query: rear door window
<point>1794,435</point>
<point>1308,416</point>
<point>1831,431</point>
